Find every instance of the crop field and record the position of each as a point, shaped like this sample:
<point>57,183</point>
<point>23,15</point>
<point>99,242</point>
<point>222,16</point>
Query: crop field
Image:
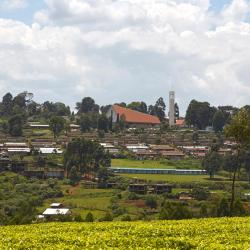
<point>174,178</point>
<point>163,164</point>
<point>221,233</point>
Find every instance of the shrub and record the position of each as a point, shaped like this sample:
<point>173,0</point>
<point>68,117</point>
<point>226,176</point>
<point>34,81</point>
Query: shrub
<point>89,217</point>
<point>151,201</point>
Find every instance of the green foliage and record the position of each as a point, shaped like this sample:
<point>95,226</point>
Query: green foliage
<point>138,106</point>
<point>212,163</point>
<point>126,218</point>
<point>200,193</point>
<point>223,208</point>
<point>219,121</point>
<point>87,105</point>
<point>151,201</point>
<point>199,114</point>
<point>74,176</point>
<point>107,217</point>
<point>238,208</point>
<point>239,127</point>
<point>15,125</point>
<point>174,211</point>
<point>19,198</point>
<point>57,125</point>
<point>89,217</point>
<point>158,109</point>
<point>87,156</point>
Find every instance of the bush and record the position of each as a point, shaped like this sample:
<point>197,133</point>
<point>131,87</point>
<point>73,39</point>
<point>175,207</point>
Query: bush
<point>107,217</point>
<point>151,201</point>
<point>126,218</point>
<point>89,217</point>
<point>78,218</point>
<point>132,196</point>
<point>200,193</point>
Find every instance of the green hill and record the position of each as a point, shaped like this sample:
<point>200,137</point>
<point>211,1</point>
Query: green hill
<point>221,233</point>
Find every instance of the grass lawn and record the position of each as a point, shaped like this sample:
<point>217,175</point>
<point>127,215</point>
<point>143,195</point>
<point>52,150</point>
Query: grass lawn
<point>172,178</point>
<point>81,200</point>
<point>164,164</point>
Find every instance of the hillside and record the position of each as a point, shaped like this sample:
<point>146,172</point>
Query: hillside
<point>223,233</point>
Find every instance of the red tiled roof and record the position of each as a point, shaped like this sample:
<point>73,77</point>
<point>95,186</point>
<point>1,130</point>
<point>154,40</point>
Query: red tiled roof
<point>180,122</point>
<point>132,116</point>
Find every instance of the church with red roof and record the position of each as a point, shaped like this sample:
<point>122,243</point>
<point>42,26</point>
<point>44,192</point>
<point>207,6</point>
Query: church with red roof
<point>131,117</point>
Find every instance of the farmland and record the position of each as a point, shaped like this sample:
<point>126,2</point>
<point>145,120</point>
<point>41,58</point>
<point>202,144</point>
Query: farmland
<point>162,164</point>
<point>223,233</point>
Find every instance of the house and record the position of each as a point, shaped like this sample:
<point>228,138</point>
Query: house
<point>160,148</point>
<point>173,155</point>
<point>56,205</point>
<point>50,212</point>
<point>197,151</point>
<point>136,147</point>
<point>50,151</point>
<point>132,118</point>
<point>108,147</point>
<point>180,123</point>
<point>146,154</point>
<point>23,151</point>
<point>37,125</point>
<point>55,173</point>
<point>56,209</point>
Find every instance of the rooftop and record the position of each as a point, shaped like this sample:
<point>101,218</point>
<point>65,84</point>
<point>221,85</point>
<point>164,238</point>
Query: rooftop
<point>132,116</point>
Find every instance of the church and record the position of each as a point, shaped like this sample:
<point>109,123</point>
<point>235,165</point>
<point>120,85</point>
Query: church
<point>132,118</point>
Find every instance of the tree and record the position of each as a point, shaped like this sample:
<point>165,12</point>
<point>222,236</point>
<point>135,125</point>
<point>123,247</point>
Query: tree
<point>158,109</point>
<point>245,158</point>
<point>103,123</point>
<point>87,156</point>
<point>74,176</point>
<point>219,121</point>
<point>15,125</point>
<point>151,201</point>
<point>57,125</point>
<point>87,105</point>
<point>177,111</point>
<point>200,193</point>
<point>89,217</point>
<point>85,123</point>
<point>212,163</point>
<point>138,106</point>
<point>7,104</point>
<point>198,114</point>
<point>223,208</point>
<point>104,109</point>
<point>239,130</point>
<point>239,209</point>
<point>230,163</point>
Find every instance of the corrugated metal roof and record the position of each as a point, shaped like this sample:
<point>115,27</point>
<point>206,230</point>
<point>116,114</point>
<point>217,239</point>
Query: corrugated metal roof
<point>56,211</point>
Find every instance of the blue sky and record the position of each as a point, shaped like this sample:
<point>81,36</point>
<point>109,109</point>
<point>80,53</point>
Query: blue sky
<point>23,14</point>
<point>26,14</point>
<point>63,50</point>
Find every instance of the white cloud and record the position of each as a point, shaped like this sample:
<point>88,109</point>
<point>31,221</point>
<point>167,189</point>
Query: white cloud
<point>129,50</point>
<point>13,4</point>
<point>236,11</point>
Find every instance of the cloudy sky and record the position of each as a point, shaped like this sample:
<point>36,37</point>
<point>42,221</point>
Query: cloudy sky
<point>125,50</point>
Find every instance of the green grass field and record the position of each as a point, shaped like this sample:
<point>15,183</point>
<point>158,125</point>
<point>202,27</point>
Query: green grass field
<point>164,164</point>
<point>173,178</point>
<point>81,200</point>
<point>205,234</point>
